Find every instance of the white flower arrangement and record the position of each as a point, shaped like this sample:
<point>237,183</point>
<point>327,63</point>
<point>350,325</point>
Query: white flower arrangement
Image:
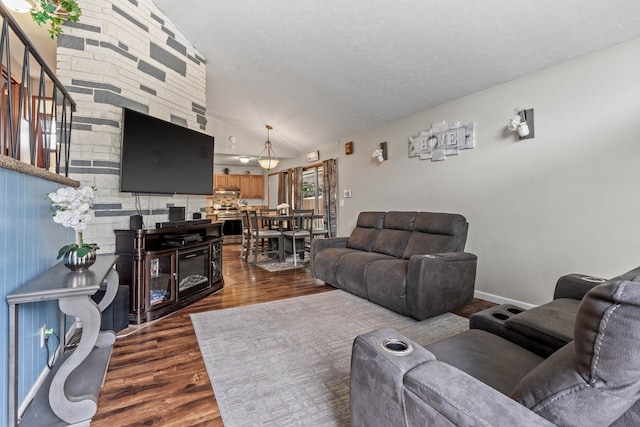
<point>282,208</point>
<point>72,208</point>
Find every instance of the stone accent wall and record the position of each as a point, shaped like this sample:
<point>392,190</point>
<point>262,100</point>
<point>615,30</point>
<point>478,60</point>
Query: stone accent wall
<point>126,54</point>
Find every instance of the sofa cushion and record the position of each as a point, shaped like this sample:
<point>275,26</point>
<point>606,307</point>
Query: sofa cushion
<point>391,242</point>
<point>367,228</point>
<point>351,269</point>
<point>600,369</point>
<point>436,232</point>
<point>399,220</point>
<point>386,284</point>
<point>392,239</point>
<point>325,262</point>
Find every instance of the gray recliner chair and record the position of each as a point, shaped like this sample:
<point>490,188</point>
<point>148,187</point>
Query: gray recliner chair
<point>548,327</point>
<point>476,378</point>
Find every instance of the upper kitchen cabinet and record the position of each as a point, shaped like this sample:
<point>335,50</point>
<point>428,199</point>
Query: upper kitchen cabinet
<point>226,181</point>
<point>251,187</point>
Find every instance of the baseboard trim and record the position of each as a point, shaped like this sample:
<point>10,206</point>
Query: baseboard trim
<point>502,300</point>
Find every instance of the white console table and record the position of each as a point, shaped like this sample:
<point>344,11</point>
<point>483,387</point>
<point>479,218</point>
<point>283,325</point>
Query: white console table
<point>69,396</point>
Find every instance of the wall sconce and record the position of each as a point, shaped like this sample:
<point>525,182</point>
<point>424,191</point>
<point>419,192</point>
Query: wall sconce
<point>522,122</point>
<point>232,142</point>
<point>380,153</point>
<point>244,159</point>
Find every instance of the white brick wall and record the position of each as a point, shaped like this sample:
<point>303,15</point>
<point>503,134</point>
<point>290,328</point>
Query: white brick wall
<point>98,64</point>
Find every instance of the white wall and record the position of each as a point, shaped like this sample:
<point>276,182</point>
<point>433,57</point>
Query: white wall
<point>566,201</point>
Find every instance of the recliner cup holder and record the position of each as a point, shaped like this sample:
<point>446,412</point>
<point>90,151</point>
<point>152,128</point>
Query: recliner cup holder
<point>499,316</point>
<point>396,346</point>
<point>593,279</point>
<point>513,310</point>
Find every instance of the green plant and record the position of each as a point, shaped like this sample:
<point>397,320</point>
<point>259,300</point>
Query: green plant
<point>56,11</point>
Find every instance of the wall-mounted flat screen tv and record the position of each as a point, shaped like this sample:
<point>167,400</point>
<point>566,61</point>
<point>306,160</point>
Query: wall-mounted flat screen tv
<point>162,157</point>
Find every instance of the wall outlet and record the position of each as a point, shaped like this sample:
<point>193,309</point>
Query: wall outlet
<point>43,330</point>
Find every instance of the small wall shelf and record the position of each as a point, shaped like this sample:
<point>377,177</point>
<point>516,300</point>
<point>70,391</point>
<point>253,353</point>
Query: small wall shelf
<point>69,396</point>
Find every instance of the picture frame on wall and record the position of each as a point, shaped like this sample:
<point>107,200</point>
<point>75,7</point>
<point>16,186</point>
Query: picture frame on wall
<point>348,148</point>
<point>313,156</point>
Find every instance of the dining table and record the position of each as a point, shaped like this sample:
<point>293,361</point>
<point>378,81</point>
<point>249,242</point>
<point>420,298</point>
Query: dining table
<point>284,222</point>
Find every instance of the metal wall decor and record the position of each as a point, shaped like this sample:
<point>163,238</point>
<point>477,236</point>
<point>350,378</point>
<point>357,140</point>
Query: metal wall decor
<point>313,156</point>
<point>441,140</point>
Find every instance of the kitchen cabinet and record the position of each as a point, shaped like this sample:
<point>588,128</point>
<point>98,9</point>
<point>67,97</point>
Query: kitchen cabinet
<point>225,181</point>
<point>251,187</point>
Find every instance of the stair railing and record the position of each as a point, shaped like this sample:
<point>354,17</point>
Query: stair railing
<point>36,111</point>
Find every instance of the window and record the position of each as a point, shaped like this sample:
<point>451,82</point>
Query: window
<point>312,189</point>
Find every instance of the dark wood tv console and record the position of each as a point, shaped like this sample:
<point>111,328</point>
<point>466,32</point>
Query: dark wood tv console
<point>169,268</point>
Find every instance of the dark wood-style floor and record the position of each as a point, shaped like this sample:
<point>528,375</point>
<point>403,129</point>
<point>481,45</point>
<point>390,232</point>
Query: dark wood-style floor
<point>157,377</point>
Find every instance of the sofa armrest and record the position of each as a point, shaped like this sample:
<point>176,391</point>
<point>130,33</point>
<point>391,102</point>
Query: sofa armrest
<point>377,378</point>
<point>438,283</point>
<point>333,242</point>
<point>575,286</point>
<point>386,388</point>
<point>440,394</point>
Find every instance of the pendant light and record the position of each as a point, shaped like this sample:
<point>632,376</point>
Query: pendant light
<point>271,161</point>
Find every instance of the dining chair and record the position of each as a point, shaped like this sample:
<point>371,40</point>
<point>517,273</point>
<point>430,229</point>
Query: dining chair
<point>267,223</point>
<point>246,242</point>
<point>263,239</point>
<point>314,226</point>
<point>296,230</point>
<point>305,215</point>
<point>302,212</point>
<point>317,228</point>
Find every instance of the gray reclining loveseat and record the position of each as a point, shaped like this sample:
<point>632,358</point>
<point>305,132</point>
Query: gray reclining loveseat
<point>410,262</point>
<point>546,328</point>
<point>477,378</point>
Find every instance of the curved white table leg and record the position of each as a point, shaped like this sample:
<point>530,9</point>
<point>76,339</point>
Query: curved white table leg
<point>73,409</point>
<point>112,281</point>
<point>107,338</point>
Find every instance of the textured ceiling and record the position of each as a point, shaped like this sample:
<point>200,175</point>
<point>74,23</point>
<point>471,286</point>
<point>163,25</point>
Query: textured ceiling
<point>319,71</point>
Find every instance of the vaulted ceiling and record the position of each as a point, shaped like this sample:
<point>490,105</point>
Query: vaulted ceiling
<point>319,71</point>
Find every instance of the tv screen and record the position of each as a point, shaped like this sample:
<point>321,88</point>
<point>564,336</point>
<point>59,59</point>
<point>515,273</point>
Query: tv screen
<point>162,157</point>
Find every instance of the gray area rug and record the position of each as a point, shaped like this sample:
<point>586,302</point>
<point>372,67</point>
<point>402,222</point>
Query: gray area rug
<point>288,264</point>
<point>287,362</point>
<point>282,266</point>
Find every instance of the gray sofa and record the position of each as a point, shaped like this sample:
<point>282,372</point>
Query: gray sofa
<point>477,378</point>
<point>409,262</point>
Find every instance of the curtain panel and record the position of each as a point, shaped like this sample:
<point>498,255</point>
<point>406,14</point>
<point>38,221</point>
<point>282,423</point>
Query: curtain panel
<point>330,186</point>
<point>296,180</point>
